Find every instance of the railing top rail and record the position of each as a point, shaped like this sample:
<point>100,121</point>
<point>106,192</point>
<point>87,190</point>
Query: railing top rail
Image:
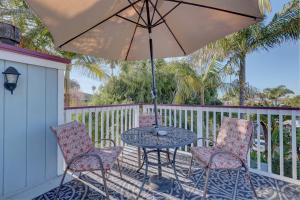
<point>100,106</point>
<point>235,107</point>
<point>192,106</point>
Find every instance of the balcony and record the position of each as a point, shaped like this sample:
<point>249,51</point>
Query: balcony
<point>274,157</point>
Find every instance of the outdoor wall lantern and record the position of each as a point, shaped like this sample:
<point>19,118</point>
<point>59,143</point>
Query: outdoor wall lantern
<point>11,76</point>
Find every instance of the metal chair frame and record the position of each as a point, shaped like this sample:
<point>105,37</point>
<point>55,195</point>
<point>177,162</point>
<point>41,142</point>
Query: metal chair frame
<point>103,171</point>
<point>207,168</point>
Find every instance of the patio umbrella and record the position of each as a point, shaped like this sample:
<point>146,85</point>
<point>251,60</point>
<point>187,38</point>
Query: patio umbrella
<point>141,29</point>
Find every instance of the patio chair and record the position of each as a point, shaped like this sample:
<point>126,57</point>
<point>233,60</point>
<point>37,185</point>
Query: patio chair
<point>81,155</point>
<point>228,152</point>
<point>148,120</point>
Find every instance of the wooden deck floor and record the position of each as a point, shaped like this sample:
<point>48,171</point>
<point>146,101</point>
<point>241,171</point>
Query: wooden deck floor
<point>221,185</point>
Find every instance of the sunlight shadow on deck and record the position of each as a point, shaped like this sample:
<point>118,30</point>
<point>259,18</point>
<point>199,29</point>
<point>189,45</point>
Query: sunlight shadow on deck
<point>221,185</point>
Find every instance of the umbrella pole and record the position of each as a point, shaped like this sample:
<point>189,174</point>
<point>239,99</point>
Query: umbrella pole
<point>154,89</point>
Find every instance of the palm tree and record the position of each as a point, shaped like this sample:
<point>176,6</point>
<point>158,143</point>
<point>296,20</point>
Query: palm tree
<point>283,27</point>
<point>275,93</point>
<point>36,36</point>
<point>195,80</point>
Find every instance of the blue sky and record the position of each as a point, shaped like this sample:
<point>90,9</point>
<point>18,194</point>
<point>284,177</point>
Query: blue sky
<point>278,66</point>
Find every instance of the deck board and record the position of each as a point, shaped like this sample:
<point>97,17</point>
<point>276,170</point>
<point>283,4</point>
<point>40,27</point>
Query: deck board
<point>221,185</point>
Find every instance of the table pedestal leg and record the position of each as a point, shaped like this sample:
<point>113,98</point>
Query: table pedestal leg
<point>146,172</point>
<point>157,182</point>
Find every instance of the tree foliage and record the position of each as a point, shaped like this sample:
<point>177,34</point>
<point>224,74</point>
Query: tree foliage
<point>177,82</point>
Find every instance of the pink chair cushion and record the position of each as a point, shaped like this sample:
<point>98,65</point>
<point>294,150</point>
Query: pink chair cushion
<point>235,136</point>
<point>222,161</point>
<point>91,163</point>
<point>73,140</point>
<point>147,120</point>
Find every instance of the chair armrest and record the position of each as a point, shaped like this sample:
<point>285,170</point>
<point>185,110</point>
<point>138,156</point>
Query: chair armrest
<point>76,158</point>
<point>201,138</point>
<point>228,153</point>
<point>98,141</point>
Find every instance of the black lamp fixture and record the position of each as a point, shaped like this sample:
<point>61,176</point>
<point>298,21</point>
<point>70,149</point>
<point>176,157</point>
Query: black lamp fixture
<point>11,76</point>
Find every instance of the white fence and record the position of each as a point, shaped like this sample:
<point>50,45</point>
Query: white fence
<point>275,151</point>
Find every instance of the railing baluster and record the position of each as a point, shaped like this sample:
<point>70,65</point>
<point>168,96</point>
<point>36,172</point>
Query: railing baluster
<point>180,118</point>
<point>90,123</point>
<point>117,127</point>
<point>185,118</point>
<point>258,140</point>
<point>113,126</point>
<point>165,113</point>
<point>281,164</point>
<point>96,126</point>
<point>122,122</point>
<point>175,118</point>
<point>107,133</point>
<point>170,117</point>
<point>199,127</point>
<point>192,120</point>
<point>207,126</point>
<point>214,125</point>
<point>269,143</point>
<point>129,119</point>
<point>102,127</point>
<point>222,114</point>
<point>185,124</point>
<point>294,147</point>
<point>68,116</point>
<point>126,116</point>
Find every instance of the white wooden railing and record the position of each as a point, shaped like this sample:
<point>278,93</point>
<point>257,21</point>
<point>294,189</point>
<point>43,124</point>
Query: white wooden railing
<point>279,158</point>
<point>105,122</point>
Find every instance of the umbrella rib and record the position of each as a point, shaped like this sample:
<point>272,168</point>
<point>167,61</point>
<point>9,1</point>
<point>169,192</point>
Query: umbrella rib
<point>140,15</point>
<point>214,8</point>
<point>153,12</point>
<point>163,17</point>
<point>164,21</point>
<point>80,34</point>
<point>137,12</point>
<point>129,20</point>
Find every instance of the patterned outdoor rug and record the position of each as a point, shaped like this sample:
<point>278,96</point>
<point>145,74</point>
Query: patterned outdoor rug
<point>221,185</point>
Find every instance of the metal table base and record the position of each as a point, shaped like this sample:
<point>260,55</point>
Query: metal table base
<point>158,180</point>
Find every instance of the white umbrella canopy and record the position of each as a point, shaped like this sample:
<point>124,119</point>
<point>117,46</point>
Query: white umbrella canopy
<point>114,29</point>
<point>127,29</point>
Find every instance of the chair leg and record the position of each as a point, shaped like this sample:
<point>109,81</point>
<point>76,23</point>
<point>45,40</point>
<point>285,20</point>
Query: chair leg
<point>104,183</point>
<point>119,167</point>
<point>248,177</point>
<point>61,184</point>
<point>168,155</point>
<point>141,166</point>
<point>190,168</point>
<point>206,182</point>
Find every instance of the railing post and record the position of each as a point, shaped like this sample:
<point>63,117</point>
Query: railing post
<point>136,116</point>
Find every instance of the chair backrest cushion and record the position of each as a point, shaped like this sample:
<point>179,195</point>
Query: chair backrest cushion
<point>147,120</point>
<point>72,139</point>
<point>235,135</point>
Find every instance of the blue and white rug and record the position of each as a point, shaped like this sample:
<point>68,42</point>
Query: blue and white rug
<point>221,185</point>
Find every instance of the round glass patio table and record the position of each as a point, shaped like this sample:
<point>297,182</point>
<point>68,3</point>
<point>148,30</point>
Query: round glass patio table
<point>148,139</point>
